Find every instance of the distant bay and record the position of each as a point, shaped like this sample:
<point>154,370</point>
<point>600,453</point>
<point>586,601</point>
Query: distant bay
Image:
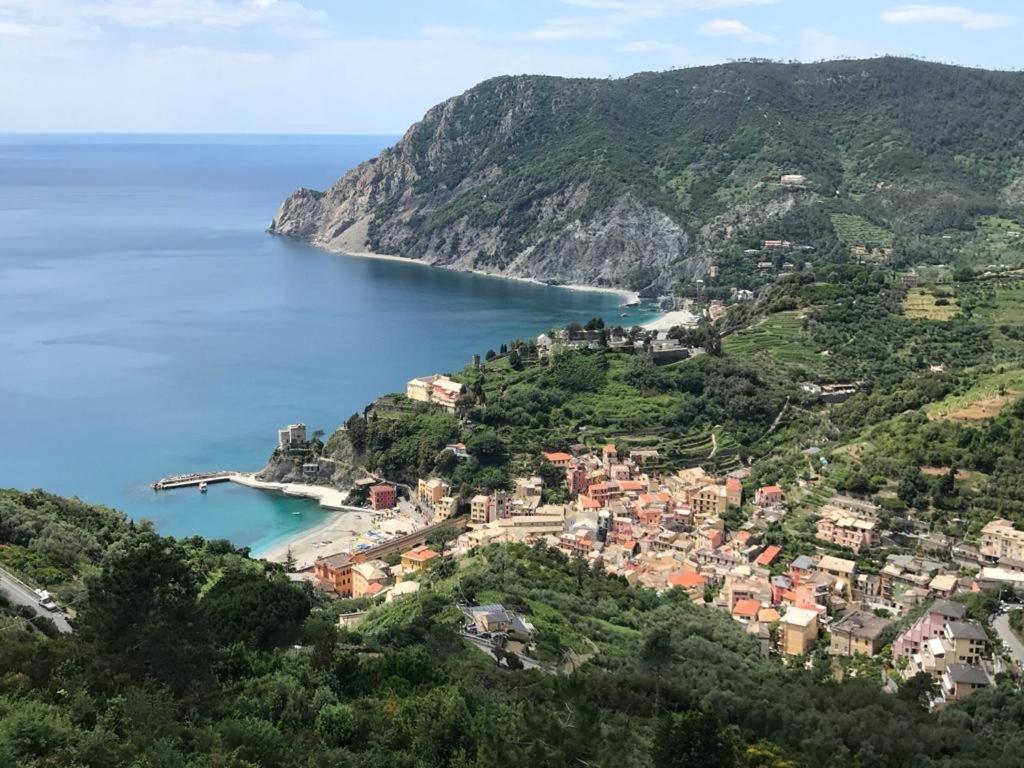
<point>149,325</point>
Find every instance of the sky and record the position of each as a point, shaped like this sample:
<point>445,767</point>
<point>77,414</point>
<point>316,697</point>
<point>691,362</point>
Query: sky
<point>375,66</point>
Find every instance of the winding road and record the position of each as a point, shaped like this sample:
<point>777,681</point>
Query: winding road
<point>1001,625</point>
<point>19,593</point>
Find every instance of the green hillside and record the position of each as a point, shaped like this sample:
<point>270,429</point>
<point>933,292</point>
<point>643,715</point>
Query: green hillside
<point>887,146</point>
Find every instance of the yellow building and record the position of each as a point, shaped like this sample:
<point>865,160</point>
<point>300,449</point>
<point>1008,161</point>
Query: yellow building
<point>479,509</point>
<point>799,631</point>
<point>710,500</point>
<point>999,539</point>
<point>857,633</point>
<point>430,492</point>
<point>416,559</point>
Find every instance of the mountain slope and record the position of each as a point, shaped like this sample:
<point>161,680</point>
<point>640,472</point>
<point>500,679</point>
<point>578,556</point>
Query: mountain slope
<point>637,181</point>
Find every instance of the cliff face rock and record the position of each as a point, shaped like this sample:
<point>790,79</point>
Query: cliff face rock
<point>339,466</point>
<point>635,183</point>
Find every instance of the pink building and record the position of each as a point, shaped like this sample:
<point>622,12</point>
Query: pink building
<point>767,495</point>
<point>383,496</point>
<point>930,625</point>
<point>576,480</point>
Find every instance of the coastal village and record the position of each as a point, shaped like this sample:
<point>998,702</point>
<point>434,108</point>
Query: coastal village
<point>667,530</point>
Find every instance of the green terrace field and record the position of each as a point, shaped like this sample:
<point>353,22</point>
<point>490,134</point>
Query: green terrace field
<point>858,232</point>
<point>615,413</point>
<point>780,338</point>
<point>989,394</point>
<point>924,304</point>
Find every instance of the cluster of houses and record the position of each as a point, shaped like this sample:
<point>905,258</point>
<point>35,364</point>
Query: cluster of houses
<point>365,574</point>
<point>435,390</point>
<point>947,646</point>
<point>660,347</point>
<point>665,530</point>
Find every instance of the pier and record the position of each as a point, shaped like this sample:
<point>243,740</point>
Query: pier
<point>184,481</point>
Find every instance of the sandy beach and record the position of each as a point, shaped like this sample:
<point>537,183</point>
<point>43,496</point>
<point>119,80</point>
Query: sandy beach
<point>628,297</point>
<point>338,532</point>
<point>669,320</point>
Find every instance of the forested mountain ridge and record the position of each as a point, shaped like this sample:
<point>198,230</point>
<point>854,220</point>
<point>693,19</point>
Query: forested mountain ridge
<point>641,180</point>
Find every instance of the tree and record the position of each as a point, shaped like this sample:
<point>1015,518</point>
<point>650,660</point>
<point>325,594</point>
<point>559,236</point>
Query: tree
<point>657,653</point>
<point>249,607</point>
<point>919,689</point>
<point>515,361</point>
<point>692,739</point>
<point>491,354</point>
<point>141,621</point>
<point>289,560</point>
<point>440,537</point>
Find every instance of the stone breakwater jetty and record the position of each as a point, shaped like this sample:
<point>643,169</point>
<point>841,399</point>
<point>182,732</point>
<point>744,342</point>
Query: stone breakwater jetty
<point>327,497</point>
<point>194,478</point>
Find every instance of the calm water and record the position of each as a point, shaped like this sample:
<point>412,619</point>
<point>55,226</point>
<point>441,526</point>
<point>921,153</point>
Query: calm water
<point>149,326</point>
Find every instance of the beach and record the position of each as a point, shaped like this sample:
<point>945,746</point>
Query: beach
<point>670,320</point>
<point>342,528</point>
<point>339,532</point>
<point>628,297</point>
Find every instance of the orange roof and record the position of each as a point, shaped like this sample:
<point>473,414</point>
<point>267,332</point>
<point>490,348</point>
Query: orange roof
<point>629,544</point>
<point>421,554</point>
<point>768,556</point>
<point>609,448</point>
<point>374,588</point>
<point>733,483</point>
<point>771,489</point>
<point>558,456</point>
<point>742,536</point>
<point>587,503</point>
<point>686,579</point>
<point>768,615</point>
<point>747,607</point>
<point>632,485</point>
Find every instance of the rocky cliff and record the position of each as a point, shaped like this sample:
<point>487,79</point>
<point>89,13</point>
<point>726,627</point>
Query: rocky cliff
<point>636,183</point>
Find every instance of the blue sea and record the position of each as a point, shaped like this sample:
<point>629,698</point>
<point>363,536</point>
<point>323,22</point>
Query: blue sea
<point>149,325</point>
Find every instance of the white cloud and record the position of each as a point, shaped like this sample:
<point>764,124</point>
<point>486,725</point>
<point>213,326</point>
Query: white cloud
<point>946,14</point>
<point>558,30</point>
<point>288,17</point>
<point>639,46</point>
<point>732,28</point>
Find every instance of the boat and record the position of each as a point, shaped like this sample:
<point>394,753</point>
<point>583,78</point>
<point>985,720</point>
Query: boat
<point>202,487</point>
<point>297,512</point>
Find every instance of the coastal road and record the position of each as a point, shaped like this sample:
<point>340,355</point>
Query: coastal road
<point>20,594</point>
<point>1007,635</point>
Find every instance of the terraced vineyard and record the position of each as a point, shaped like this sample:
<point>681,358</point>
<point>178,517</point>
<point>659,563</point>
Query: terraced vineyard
<point>858,231</point>
<point>780,337</point>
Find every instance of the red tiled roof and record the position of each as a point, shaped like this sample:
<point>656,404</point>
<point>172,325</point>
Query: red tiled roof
<point>374,588</point>
<point>632,485</point>
<point>587,503</point>
<point>768,556</point>
<point>771,489</point>
<point>747,607</point>
<point>686,579</point>
<point>733,483</point>
<point>558,456</point>
<point>421,554</point>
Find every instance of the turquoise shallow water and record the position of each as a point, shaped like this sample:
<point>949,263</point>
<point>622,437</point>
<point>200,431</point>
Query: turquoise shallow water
<point>149,326</point>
